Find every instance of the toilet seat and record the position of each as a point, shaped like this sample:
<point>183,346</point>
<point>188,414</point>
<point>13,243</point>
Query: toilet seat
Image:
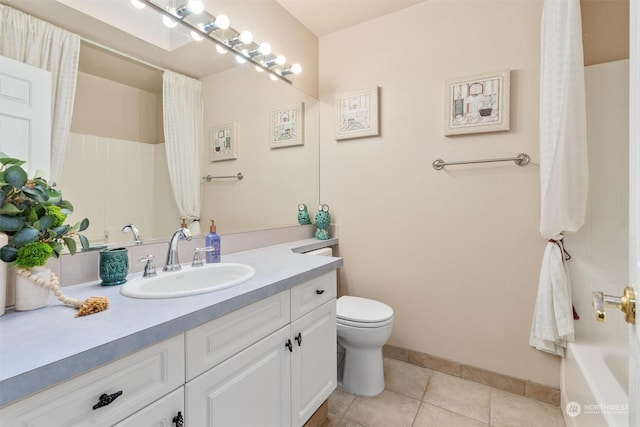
<point>362,312</point>
<point>364,324</point>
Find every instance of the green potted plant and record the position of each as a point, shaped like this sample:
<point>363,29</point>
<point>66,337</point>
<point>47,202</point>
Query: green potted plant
<point>32,216</point>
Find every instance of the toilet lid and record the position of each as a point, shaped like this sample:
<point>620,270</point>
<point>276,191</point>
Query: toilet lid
<point>362,310</point>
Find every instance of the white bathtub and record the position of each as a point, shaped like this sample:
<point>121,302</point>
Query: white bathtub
<point>594,385</point>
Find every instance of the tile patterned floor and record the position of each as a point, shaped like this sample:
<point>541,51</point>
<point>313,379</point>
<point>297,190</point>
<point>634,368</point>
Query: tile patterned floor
<point>419,397</point>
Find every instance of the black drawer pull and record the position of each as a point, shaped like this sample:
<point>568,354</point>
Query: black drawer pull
<point>178,420</point>
<point>319,291</point>
<point>106,399</point>
<point>289,346</point>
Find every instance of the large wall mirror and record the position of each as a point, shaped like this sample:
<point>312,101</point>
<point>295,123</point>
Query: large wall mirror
<point>115,169</point>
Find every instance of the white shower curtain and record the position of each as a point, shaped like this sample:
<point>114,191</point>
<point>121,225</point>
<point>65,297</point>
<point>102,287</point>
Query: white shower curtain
<point>38,43</point>
<point>563,167</point>
<point>182,114</point>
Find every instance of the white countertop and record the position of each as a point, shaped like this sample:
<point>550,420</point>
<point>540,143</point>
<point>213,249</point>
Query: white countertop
<point>43,347</point>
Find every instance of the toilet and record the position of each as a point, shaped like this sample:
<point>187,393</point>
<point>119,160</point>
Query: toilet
<point>364,326</point>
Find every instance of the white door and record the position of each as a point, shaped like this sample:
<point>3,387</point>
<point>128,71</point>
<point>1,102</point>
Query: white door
<point>25,114</point>
<point>634,211</point>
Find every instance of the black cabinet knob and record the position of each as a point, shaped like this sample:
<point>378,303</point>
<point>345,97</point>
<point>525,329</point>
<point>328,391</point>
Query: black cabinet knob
<point>298,338</point>
<point>178,420</point>
<point>289,346</point>
<point>319,291</point>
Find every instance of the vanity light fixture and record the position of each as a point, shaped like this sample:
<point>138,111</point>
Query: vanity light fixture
<point>293,69</point>
<point>263,50</point>
<point>193,6</point>
<point>275,60</point>
<point>242,45</point>
<point>245,37</point>
<point>220,22</point>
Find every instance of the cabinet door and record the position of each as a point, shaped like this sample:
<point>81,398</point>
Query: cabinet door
<point>215,341</point>
<point>250,389</point>
<point>164,412</point>
<point>313,361</point>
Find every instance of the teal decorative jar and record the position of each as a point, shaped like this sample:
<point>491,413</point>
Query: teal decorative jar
<point>114,266</point>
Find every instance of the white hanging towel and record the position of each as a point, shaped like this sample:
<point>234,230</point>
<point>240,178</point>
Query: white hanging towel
<point>563,167</point>
<point>552,324</point>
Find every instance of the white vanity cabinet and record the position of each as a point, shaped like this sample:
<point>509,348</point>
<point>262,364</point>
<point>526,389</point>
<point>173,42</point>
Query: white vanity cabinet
<point>279,379</point>
<point>134,381</point>
<point>270,363</point>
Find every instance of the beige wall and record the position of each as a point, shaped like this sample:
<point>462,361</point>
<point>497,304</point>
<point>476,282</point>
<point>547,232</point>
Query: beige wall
<point>275,180</point>
<point>605,30</point>
<point>456,252</point>
<point>106,108</point>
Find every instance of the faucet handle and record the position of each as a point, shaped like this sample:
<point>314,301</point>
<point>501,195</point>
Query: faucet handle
<point>150,267</point>
<point>197,259</point>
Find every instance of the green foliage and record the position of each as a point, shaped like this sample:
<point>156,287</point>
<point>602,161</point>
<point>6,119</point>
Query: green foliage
<point>32,214</point>
<point>33,255</point>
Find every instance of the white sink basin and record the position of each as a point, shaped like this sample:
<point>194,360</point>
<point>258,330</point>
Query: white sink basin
<point>188,281</point>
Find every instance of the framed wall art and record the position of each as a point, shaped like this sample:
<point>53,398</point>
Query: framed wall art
<point>287,126</point>
<point>357,114</point>
<point>477,103</point>
<point>223,144</point>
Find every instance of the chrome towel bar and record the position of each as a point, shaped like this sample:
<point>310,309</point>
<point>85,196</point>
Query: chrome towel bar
<point>209,178</point>
<point>520,160</point>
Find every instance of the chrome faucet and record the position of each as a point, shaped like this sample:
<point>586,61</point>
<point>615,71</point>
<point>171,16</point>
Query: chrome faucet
<point>134,230</point>
<point>173,263</point>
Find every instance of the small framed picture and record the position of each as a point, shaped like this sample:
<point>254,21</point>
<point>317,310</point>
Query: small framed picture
<point>223,144</point>
<point>287,126</point>
<point>477,103</point>
<point>357,114</point>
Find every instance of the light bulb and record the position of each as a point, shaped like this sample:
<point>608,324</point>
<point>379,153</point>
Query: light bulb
<point>221,50</point>
<point>240,59</point>
<point>138,4</point>
<point>296,69</point>
<point>195,6</point>
<point>222,22</point>
<point>246,37</point>
<point>168,21</point>
<point>264,49</point>
<point>195,36</point>
<point>280,60</point>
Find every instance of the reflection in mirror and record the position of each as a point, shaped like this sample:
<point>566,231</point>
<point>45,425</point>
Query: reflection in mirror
<point>115,168</point>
